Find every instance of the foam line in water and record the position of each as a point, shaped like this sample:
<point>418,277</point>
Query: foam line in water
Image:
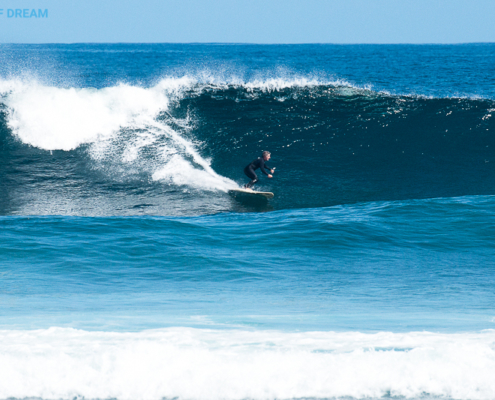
<point>188,363</point>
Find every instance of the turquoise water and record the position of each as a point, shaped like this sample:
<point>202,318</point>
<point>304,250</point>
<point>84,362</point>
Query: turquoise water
<point>398,266</point>
<point>129,272</point>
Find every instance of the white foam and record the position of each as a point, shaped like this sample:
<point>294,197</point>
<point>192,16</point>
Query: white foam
<point>280,80</point>
<point>187,363</point>
<point>180,172</point>
<point>62,119</point>
<point>120,124</point>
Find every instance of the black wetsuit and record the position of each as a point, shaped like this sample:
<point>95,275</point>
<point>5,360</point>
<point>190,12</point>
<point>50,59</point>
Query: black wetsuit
<point>249,170</point>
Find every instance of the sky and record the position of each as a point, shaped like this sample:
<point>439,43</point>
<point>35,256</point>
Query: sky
<point>247,21</point>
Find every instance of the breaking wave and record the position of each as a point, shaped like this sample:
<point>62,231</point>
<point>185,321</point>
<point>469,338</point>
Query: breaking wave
<point>338,142</point>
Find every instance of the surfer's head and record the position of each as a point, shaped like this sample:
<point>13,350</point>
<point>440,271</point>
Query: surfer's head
<point>266,155</point>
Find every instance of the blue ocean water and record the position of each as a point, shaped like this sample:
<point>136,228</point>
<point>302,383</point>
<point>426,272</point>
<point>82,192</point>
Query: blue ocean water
<point>128,271</point>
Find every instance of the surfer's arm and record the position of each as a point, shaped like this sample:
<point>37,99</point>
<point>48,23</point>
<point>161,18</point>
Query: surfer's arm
<point>263,166</point>
<point>269,168</point>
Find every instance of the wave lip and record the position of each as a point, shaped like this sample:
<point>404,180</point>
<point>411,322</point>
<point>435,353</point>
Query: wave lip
<point>224,364</point>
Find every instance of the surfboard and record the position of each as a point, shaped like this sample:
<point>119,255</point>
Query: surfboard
<point>266,195</point>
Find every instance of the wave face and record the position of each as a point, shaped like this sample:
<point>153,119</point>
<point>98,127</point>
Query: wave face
<point>176,145</point>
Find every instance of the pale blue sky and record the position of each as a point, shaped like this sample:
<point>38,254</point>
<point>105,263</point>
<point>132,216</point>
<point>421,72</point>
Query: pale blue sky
<point>251,21</point>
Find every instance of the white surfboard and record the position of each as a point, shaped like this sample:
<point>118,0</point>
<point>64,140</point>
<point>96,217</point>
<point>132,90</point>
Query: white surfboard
<point>266,195</point>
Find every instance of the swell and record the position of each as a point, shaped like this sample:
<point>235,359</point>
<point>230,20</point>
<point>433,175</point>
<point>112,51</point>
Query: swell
<point>413,265</point>
<point>332,143</point>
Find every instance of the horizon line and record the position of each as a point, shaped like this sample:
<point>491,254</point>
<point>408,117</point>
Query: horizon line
<point>256,44</point>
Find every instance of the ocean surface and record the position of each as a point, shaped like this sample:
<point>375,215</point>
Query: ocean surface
<point>128,271</point>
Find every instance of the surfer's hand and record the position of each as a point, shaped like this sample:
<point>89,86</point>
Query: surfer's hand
<point>272,171</point>
<point>270,176</point>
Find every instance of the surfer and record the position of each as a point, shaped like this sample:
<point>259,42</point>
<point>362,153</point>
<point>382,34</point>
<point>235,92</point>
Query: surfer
<point>258,163</point>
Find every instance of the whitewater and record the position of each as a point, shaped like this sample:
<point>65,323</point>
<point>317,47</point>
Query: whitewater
<point>128,271</point>
<point>206,364</point>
